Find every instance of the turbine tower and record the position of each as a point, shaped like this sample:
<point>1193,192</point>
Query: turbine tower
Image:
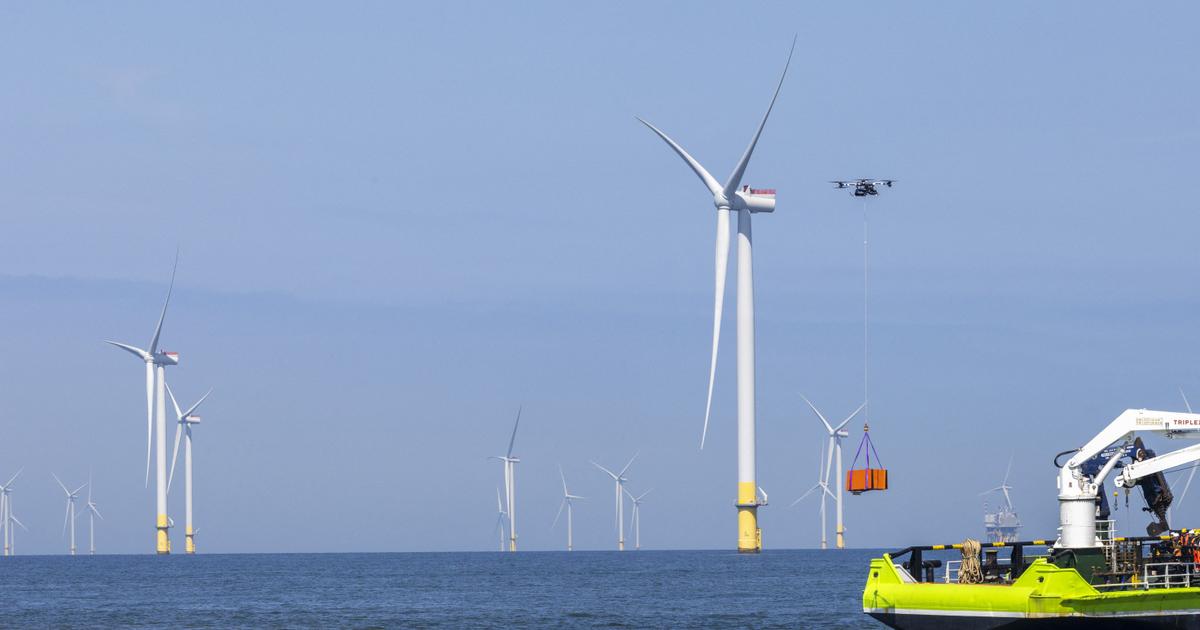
<point>835,454</point>
<point>568,500</point>
<point>93,512</point>
<point>620,480</point>
<point>6,516</point>
<point>733,197</point>
<point>185,420</point>
<point>69,519</point>
<point>510,484</point>
<point>156,361</point>
<point>636,520</point>
<point>823,466</point>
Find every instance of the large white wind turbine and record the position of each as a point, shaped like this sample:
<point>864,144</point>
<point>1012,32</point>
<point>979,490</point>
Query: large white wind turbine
<point>734,197</point>
<point>568,502</point>
<point>619,479</point>
<point>69,519</point>
<point>185,419</point>
<point>510,484</point>
<point>835,451</point>
<point>636,519</point>
<point>93,512</point>
<point>500,518</point>
<point>823,466</point>
<point>6,516</point>
<point>1003,488</point>
<point>156,360</point>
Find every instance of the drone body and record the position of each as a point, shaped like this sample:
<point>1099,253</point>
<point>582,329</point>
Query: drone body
<point>864,187</point>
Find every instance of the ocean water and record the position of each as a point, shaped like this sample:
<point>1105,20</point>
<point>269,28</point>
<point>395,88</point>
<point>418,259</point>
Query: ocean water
<point>583,589</point>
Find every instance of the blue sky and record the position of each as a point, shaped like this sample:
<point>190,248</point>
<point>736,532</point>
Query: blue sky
<point>399,222</point>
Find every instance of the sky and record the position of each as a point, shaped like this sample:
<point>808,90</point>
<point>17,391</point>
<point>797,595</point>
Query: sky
<point>398,223</point>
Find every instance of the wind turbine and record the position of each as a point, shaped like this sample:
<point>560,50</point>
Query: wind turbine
<point>620,479</point>
<point>823,466</point>
<point>6,515</point>
<point>69,519</point>
<point>500,519</point>
<point>727,198</point>
<point>156,361</point>
<point>1003,487</point>
<point>93,512</point>
<point>636,520</point>
<point>567,501</point>
<point>835,451</point>
<point>185,420</point>
<point>510,484</point>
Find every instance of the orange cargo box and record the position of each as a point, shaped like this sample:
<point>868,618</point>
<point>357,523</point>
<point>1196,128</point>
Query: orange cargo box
<point>865,480</point>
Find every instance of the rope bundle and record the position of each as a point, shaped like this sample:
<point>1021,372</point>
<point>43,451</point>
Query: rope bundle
<point>969,572</point>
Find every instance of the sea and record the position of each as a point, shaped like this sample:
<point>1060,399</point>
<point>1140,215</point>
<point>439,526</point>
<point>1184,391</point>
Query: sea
<point>581,589</point>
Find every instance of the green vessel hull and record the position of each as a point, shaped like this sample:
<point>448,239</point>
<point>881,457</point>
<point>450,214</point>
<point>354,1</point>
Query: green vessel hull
<point>1045,596</point>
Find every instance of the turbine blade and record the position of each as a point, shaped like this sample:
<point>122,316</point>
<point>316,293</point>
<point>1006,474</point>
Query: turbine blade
<point>196,406</point>
<point>95,510</point>
<point>635,456</point>
<point>1185,400</point>
<point>825,422</point>
<point>735,178</point>
<point>720,269</point>
<point>66,516</point>
<point>60,484</point>
<point>178,414</point>
<point>137,352</point>
<point>564,480</point>
<point>1007,471</point>
<point>610,473</point>
<point>163,315</point>
<point>149,415</point>
<point>1187,485</point>
<point>851,417</point>
<point>709,181</point>
<point>14,477</point>
<point>18,522</point>
<point>802,497</point>
<point>513,439</point>
<point>175,455</point>
<point>560,509</point>
<point>499,506</point>
<point>643,495</point>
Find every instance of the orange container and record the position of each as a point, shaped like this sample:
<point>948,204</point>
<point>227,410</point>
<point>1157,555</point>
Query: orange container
<point>866,479</point>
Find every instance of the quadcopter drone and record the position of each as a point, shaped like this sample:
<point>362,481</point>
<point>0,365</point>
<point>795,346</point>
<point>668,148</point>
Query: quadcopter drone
<point>864,187</point>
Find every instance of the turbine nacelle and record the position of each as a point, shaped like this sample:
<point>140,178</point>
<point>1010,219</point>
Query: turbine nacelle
<point>754,199</point>
<point>166,358</point>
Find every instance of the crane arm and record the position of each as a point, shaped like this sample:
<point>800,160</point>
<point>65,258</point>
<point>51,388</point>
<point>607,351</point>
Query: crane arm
<point>1131,473</point>
<point>1169,423</point>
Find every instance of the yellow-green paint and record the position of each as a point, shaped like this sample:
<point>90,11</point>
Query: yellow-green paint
<point>1043,590</point>
<point>749,535</point>
<point>164,540</point>
<point>189,543</point>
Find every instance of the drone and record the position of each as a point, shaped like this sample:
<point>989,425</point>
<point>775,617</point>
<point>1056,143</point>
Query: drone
<point>864,187</point>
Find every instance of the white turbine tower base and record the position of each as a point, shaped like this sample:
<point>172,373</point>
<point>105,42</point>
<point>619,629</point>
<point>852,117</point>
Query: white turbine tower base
<point>156,361</point>
<point>732,196</point>
<point>7,519</point>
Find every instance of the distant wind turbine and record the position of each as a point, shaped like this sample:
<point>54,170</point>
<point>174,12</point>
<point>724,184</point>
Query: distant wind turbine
<point>567,501</point>
<point>156,361</point>
<point>185,419</point>
<point>510,484</point>
<point>619,479</point>
<point>835,435</point>
<point>69,519</point>
<point>93,512</point>
<point>500,519</point>
<point>823,466</point>
<point>729,197</point>
<point>636,519</point>
<point>6,516</point>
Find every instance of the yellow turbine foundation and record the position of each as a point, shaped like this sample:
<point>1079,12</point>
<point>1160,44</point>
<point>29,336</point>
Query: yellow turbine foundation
<point>841,539</point>
<point>749,535</point>
<point>189,543</point>
<point>164,541</point>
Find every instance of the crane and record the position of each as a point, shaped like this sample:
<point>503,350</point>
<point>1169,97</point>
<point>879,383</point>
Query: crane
<point>1080,484</point>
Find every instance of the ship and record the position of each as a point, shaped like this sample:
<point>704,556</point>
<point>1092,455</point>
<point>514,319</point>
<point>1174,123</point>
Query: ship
<point>1084,577</point>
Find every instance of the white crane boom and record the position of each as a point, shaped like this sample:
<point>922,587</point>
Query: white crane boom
<point>1132,472</point>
